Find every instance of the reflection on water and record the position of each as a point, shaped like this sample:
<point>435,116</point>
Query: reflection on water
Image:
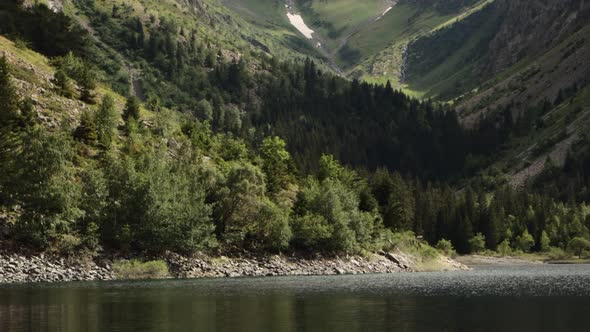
<point>534,298</point>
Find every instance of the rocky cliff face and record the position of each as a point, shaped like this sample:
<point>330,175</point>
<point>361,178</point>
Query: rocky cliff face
<point>531,27</point>
<point>547,39</point>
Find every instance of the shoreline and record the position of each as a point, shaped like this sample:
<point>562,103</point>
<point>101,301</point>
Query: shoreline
<point>20,268</point>
<point>474,260</point>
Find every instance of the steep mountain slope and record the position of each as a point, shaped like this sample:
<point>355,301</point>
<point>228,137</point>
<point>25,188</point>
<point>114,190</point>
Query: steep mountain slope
<point>356,32</point>
<point>380,49</point>
<point>252,31</point>
<point>538,70</point>
<point>462,56</point>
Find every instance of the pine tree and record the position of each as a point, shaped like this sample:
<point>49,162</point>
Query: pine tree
<point>276,164</point>
<point>87,82</point>
<point>9,110</point>
<point>9,131</point>
<point>106,121</point>
<point>63,84</point>
<point>87,131</point>
<point>131,110</point>
<point>46,188</point>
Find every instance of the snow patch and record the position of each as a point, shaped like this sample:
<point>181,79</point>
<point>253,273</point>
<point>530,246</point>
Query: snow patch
<point>385,12</point>
<point>297,22</point>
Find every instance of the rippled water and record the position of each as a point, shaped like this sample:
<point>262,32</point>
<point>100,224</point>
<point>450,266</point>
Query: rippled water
<point>509,298</point>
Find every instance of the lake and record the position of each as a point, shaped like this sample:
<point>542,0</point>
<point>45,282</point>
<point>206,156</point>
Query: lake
<point>489,298</point>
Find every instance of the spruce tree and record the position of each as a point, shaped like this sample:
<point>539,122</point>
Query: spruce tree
<point>131,110</point>
<point>63,84</point>
<point>276,163</point>
<point>106,121</point>
<point>87,81</point>
<point>9,115</point>
<point>9,102</point>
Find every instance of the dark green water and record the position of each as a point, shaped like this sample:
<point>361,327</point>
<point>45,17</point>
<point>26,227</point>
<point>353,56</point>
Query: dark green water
<point>510,298</point>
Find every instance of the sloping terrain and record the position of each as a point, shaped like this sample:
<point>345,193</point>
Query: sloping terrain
<point>502,36</point>
<point>487,57</point>
<point>362,39</point>
<point>380,49</point>
<point>368,39</point>
<point>546,85</point>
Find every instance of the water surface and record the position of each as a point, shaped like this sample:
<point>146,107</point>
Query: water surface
<point>493,298</point>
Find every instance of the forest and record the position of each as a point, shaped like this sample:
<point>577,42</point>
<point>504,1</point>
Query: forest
<point>223,153</point>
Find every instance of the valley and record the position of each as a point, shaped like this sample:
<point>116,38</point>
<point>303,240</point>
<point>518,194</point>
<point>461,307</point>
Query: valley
<point>301,127</point>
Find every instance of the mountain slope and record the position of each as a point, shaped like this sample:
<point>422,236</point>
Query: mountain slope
<point>539,75</point>
<point>504,34</point>
<point>361,38</point>
<point>384,41</point>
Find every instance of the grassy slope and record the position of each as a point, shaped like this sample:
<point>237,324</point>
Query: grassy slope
<point>216,22</point>
<point>457,70</point>
<point>336,20</point>
<point>265,21</point>
<point>526,156</point>
<point>402,22</point>
<point>261,11</point>
<point>345,14</point>
<point>410,23</point>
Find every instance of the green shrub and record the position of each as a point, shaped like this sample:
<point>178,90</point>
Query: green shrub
<point>504,248</point>
<point>578,245</point>
<point>63,84</point>
<point>408,243</point>
<point>477,243</point>
<point>22,44</point>
<point>272,230</point>
<point>66,243</point>
<point>525,241</point>
<point>545,242</point>
<point>557,253</point>
<point>311,230</point>
<point>428,253</point>
<point>327,216</point>
<point>135,269</point>
<point>446,247</point>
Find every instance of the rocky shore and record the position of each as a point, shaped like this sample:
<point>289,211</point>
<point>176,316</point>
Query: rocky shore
<point>15,268</point>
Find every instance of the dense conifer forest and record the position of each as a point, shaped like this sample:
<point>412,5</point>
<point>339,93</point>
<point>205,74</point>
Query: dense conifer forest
<point>219,152</point>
